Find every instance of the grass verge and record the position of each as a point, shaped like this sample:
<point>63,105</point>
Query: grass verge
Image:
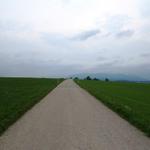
<point>130,100</point>
<point>17,95</point>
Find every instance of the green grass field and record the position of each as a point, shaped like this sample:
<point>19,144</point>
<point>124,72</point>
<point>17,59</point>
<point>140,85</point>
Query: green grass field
<point>129,100</point>
<point>17,95</point>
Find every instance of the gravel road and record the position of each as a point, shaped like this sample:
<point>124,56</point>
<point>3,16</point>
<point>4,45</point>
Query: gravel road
<point>69,118</point>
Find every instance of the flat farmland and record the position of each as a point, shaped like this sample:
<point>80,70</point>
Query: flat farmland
<point>17,95</point>
<point>130,100</point>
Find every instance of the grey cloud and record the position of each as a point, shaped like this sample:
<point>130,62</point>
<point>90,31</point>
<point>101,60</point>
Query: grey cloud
<point>145,55</point>
<point>47,54</point>
<point>115,23</point>
<point>107,34</point>
<point>110,63</point>
<point>55,39</point>
<point>126,33</point>
<point>113,66</point>
<point>142,70</point>
<point>86,35</point>
<point>51,37</point>
<point>65,1</point>
<point>144,7</point>
<point>107,66</point>
<point>13,26</point>
<point>43,58</point>
<point>101,58</point>
<point>37,70</point>
<point>54,55</point>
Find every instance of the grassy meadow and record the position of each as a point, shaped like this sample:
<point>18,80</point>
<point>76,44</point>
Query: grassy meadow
<point>130,100</point>
<point>17,95</point>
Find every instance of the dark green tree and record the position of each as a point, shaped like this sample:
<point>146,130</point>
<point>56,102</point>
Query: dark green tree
<point>95,79</point>
<point>106,79</point>
<point>88,78</point>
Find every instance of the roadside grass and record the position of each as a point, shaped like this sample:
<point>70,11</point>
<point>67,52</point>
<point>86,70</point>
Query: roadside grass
<point>130,100</point>
<point>17,95</point>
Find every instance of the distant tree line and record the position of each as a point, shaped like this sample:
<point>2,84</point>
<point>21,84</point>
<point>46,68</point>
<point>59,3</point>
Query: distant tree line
<point>89,78</point>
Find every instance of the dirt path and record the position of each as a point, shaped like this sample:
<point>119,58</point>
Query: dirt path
<point>71,119</point>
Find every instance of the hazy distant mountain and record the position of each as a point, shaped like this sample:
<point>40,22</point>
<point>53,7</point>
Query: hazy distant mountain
<point>113,77</point>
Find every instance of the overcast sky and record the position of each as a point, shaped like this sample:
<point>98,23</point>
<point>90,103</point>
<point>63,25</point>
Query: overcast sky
<point>62,37</point>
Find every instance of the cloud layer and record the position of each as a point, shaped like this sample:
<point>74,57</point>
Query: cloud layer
<point>86,35</point>
<point>62,37</point>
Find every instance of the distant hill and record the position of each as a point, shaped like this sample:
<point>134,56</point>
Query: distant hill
<point>112,77</point>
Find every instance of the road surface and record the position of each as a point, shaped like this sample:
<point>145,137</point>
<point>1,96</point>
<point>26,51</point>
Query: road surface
<point>69,118</point>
